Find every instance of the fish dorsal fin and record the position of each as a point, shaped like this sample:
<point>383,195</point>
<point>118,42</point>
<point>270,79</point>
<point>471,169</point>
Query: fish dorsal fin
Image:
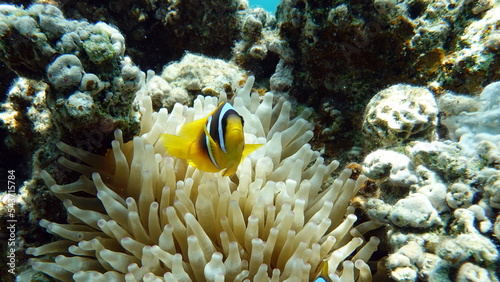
<point>192,130</point>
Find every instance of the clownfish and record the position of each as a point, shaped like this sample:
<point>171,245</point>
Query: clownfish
<point>213,143</point>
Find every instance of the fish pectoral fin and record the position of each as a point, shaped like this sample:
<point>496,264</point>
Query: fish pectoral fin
<point>249,148</point>
<point>228,172</point>
<point>232,167</point>
<point>175,145</point>
<point>191,163</point>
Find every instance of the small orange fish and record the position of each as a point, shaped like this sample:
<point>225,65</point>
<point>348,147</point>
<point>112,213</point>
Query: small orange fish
<point>213,143</point>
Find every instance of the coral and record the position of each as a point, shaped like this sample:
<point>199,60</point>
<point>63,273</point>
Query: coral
<point>155,216</point>
<point>80,63</point>
<point>65,72</point>
<point>25,115</point>
<point>466,246</point>
<point>390,169</point>
<point>130,80</point>
<point>414,211</point>
<point>402,263</point>
<point>460,195</point>
<point>431,266</point>
<point>496,228</point>
<point>91,84</point>
<point>399,114</point>
<point>471,272</point>
<point>344,52</point>
<point>214,24</point>
<point>162,31</point>
<point>452,203</point>
<point>482,120</point>
<point>81,106</point>
<point>378,210</point>
<point>162,94</point>
<point>444,158</point>
<point>408,196</point>
<point>411,262</point>
<point>282,79</point>
<point>492,190</point>
<point>441,215</point>
<point>24,48</point>
<point>474,62</point>
<point>466,220</point>
<point>200,74</point>
<point>436,193</point>
<point>66,91</point>
<point>470,220</point>
<point>260,48</point>
<point>102,43</point>
<point>478,131</point>
<point>439,200</point>
<point>451,104</point>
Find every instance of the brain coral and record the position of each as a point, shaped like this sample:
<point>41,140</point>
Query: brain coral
<point>151,217</point>
<point>399,114</point>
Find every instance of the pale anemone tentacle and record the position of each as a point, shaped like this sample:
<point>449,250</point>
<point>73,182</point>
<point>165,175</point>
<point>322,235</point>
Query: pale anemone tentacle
<point>155,218</point>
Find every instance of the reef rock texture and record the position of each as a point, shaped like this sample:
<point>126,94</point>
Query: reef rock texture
<point>91,84</point>
<point>390,168</point>
<point>158,32</point>
<point>26,116</point>
<point>206,27</point>
<point>198,74</point>
<point>222,29</point>
<point>478,128</point>
<point>399,114</point>
<point>182,81</point>
<point>476,57</point>
<point>448,216</point>
<point>344,52</point>
<point>259,46</point>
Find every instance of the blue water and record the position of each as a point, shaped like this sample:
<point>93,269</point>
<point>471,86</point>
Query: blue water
<point>268,5</point>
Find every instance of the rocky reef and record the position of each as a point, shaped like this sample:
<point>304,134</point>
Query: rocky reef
<point>73,69</point>
<point>408,89</point>
<point>439,197</point>
<point>344,52</point>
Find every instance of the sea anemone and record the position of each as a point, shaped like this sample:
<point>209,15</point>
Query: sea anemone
<point>152,217</point>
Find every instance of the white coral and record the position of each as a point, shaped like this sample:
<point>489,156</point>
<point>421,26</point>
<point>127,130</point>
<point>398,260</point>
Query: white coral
<point>416,211</point>
<point>390,168</point>
<point>400,113</point>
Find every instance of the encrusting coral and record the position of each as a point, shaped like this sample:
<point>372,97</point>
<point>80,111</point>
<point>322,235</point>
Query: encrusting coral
<point>154,218</point>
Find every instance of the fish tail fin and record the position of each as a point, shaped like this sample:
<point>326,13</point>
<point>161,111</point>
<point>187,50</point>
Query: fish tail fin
<point>249,148</point>
<point>175,145</point>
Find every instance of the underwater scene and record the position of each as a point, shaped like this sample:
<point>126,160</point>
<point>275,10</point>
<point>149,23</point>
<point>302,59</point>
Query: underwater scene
<point>235,140</point>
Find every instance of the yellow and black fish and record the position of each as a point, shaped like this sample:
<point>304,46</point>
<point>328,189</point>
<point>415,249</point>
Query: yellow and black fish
<point>213,143</point>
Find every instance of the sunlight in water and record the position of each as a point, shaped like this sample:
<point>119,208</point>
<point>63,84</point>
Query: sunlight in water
<point>268,5</point>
